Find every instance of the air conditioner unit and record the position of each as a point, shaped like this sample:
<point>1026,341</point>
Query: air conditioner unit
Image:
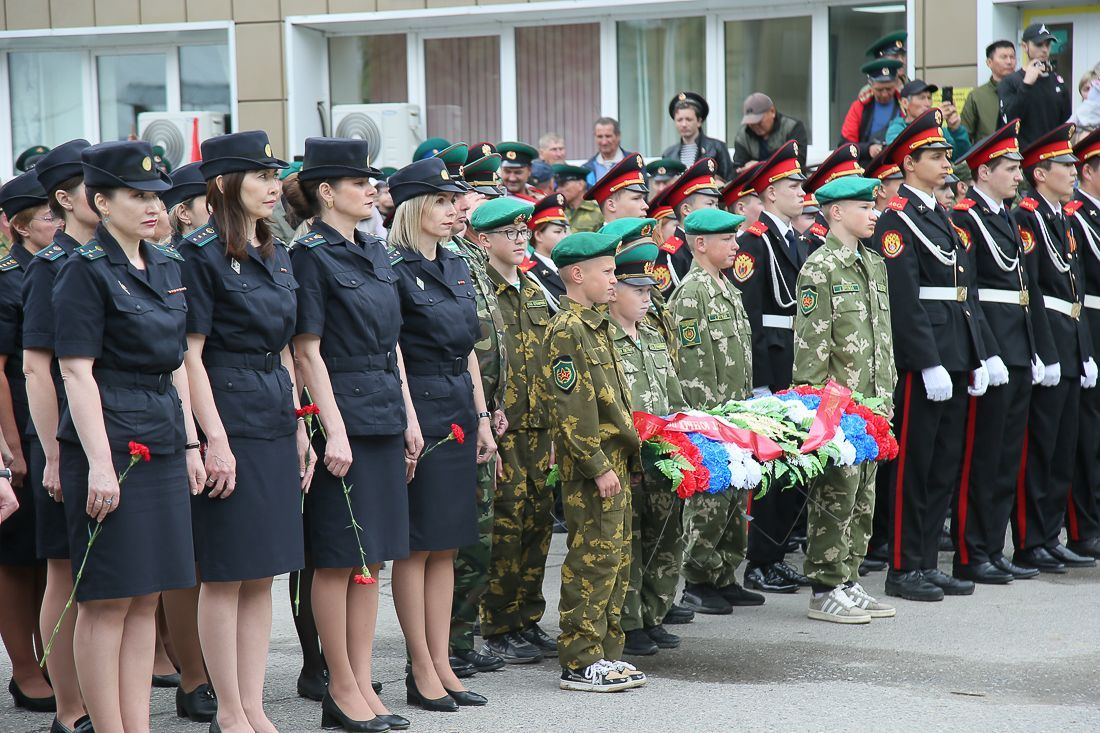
<point>392,131</point>
<point>179,133</point>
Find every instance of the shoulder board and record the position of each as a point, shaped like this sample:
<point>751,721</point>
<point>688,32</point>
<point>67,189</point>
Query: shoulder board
<point>169,251</point>
<point>309,240</point>
<point>965,205</point>
<point>281,243</point>
<point>819,229</point>
<point>1029,204</point>
<point>898,203</point>
<point>1072,207</point>
<point>51,253</point>
<point>91,251</point>
<point>528,264</point>
<point>202,236</point>
<point>759,228</point>
<point>865,96</point>
<point>394,255</point>
<point>8,263</point>
<point>672,245</point>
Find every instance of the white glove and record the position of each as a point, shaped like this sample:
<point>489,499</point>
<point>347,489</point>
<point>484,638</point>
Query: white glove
<point>1052,375</point>
<point>761,392</point>
<point>937,383</point>
<point>1088,381</point>
<point>1037,369</point>
<point>998,372</point>
<point>979,381</point>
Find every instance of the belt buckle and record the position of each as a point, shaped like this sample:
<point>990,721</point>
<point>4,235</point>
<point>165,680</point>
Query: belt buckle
<point>1075,311</point>
<point>458,366</point>
<point>163,380</point>
<point>960,294</point>
<point>269,361</point>
<point>1025,298</point>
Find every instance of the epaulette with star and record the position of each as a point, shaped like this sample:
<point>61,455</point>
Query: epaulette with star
<point>1029,204</point>
<point>965,205</point>
<point>310,240</point>
<point>8,263</point>
<point>394,254</point>
<point>1072,207</point>
<point>90,251</point>
<point>51,253</point>
<point>758,228</point>
<point>672,245</point>
<point>898,203</point>
<point>168,251</point>
<point>202,236</point>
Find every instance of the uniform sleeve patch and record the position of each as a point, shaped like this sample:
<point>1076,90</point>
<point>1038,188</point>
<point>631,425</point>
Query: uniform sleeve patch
<point>689,332</point>
<point>898,203</point>
<point>842,288</point>
<point>565,373</point>
<point>758,228</point>
<point>1028,239</point>
<point>1029,204</point>
<point>743,266</point>
<point>807,299</point>
<point>963,235</point>
<point>892,243</point>
<point>663,277</point>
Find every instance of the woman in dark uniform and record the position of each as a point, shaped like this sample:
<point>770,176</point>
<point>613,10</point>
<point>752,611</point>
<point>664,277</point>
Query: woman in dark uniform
<point>119,323</point>
<point>61,175</point>
<point>22,575</point>
<point>186,201</point>
<point>349,319</point>
<point>248,525</point>
<point>440,326</point>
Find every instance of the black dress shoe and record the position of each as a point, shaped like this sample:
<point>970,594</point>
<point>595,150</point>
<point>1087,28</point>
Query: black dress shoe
<point>377,687</point>
<point>83,724</point>
<point>481,662</point>
<point>1070,558</point>
<point>678,615</point>
<point>769,579</point>
<point>199,705</point>
<point>639,644</point>
<point>395,722</point>
<point>536,637</point>
<point>312,686</point>
<point>1087,548</point>
<point>662,637</point>
<point>465,698</point>
<point>787,571</point>
<point>705,599</point>
<point>735,595</point>
<point>460,667</point>
<point>1039,559</point>
<point>33,704</point>
<point>1018,573</point>
<point>333,717</point>
<point>166,680</point>
<point>445,704</point>
<point>513,648</point>
<point>911,585</point>
<point>950,586</point>
<point>985,573</point>
<point>870,565</point>
<point>214,727</point>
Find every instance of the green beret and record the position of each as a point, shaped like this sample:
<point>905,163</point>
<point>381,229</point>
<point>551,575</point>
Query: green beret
<point>583,246</point>
<point>430,147</point>
<point>631,228</point>
<point>516,155</point>
<point>501,212</point>
<point>848,188</point>
<point>634,263</point>
<point>712,221</point>
<point>665,168</point>
<point>566,172</point>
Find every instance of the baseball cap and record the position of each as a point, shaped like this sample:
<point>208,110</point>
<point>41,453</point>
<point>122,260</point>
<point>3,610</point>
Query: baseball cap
<point>756,106</point>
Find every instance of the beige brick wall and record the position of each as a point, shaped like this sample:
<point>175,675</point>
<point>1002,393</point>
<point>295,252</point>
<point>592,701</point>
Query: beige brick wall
<point>945,31</point>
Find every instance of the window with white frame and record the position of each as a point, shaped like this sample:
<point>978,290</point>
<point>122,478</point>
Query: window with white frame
<point>47,98</point>
<point>462,87</point>
<point>368,69</point>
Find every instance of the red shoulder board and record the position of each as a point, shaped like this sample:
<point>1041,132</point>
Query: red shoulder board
<point>965,205</point>
<point>819,229</point>
<point>1029,204</point>
<point>672,245</point>
<point>898,203</point>
<point>528,264</point>
<point>1072,207</point>
<point>758,228</point>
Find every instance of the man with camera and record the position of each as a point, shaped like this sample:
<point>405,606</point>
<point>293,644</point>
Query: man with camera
<point>1036,94</point>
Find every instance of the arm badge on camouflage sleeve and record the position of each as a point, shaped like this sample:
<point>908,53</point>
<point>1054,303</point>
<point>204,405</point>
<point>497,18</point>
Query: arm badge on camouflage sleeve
<point>565,373</point>
<point>689,332</point>
<point>808,300</point>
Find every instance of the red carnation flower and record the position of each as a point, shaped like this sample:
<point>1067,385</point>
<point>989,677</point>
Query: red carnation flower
<point>307,410</point>
<point>139,450</point>
<point>367,579</point>
<point>459,433</point>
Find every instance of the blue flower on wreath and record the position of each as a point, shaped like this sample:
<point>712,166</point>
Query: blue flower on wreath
<point>811,401</point>
<point>716,459</point>
<point>855,430</point>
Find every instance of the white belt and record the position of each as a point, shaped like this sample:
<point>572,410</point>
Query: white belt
<point>1011,297</point>
<point>930,293</point>
<point>1092,301</point>
<point>1066,308</point>
<point>777,321</point>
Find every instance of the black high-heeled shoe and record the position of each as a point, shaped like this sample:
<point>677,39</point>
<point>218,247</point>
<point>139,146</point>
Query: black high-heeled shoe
<point>445,704</point>
<point>333,717</point>
<point>83,724</point>
<point>199,705</point>
<point>395,722</point>
<point>465,698</point>
<point>166,680</point>
<point>33,704</point>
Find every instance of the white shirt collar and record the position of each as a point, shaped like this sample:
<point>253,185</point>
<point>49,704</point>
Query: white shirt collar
<point>1095,201</point>
<point>1053,207</point>
<point>993,204</point>
<point>927,199</point>
<point>781,226</point>
<point>545,260</point>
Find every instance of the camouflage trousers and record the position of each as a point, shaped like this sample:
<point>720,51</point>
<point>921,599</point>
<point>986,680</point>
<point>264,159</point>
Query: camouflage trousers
<point>838,519</point>
<point>656,554</point>
<point>715,532</point>
<point>522,525</point>
<point>472,564</point>
<point>595,573</point>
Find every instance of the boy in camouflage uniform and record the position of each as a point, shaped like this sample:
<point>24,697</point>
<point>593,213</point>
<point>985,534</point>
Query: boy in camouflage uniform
<point>593,431</point>
<point>715,367</point>
<point>657,540</point>
<point>842,332</point>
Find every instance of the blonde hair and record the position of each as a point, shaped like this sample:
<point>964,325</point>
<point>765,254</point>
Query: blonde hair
<point>407,218</point>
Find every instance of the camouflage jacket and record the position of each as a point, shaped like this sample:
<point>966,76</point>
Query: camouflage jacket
<point>842,328</point>
<point>715,353</point>
<point>525,314</point>
<point>662,320</point>
<point>587,217</point>
<point>654,386</point>
<point>489,348</point>
<point>590,416</point>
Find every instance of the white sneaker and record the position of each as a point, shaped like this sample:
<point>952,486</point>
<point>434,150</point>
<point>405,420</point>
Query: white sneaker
<point>636,676</point>
<point>600,676</point>
<point>837,607</point>
<point>869,603</point>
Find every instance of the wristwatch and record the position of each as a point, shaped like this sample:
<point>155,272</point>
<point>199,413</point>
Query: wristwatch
<point>5,473</point>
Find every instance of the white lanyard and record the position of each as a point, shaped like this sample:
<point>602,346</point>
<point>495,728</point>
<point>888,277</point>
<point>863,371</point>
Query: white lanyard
<point>1003,262</point>
<point>945,259</point>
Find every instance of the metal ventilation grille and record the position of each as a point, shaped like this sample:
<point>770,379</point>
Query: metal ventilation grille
<point>166,134</point>
<point>361,127</point>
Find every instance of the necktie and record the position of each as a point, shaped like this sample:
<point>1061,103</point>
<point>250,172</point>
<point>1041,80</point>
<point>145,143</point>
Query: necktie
<point>1003,213</point>
<point>792,244</point>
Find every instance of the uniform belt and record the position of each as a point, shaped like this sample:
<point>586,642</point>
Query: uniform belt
<point>260,362</point>
<point>1066,308</point>
<point>770,321</point>
<point>1092,301</point>
<point>929,293</point>
<point>455,367</point>
<point>133,380</point>
<point>363,363</point>
<point>1011,297</point>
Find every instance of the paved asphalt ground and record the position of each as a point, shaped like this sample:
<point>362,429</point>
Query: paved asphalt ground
<point>1025,657</point>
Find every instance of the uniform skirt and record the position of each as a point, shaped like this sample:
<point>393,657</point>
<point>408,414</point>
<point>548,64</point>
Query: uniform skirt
<point>443,497</point>
<point>379,497</point>
<point>257,531</point>
<point>145,544</point>
<point>51,532</point>
<point>18,531</point>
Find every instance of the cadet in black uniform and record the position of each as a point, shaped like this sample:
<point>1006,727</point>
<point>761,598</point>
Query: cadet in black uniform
<point>186,201</point>
<point>549,225</point>
<point>696,188</point>
<point>440,327</point>
<point>349,320</point>
<point>844,161</point>
<point>21,574</point>
<point>119,324</point>
<point>241,314</point>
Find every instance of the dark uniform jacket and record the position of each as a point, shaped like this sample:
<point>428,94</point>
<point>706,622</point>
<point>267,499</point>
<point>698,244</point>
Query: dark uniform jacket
<point>13,269</point>
<point>707,147</point>
<point>1040,107</point>
<point>548,280</point>
<point>673,262</point>
<point>814,237</point>
<point>1084,218</point>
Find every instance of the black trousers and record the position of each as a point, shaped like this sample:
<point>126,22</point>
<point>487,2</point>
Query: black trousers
<point>1083,509</point>
<point>774,518</point>
<point>924,477</point>
<point>1048,464</point>
<point>996,424</point>
<point>880,521</point>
